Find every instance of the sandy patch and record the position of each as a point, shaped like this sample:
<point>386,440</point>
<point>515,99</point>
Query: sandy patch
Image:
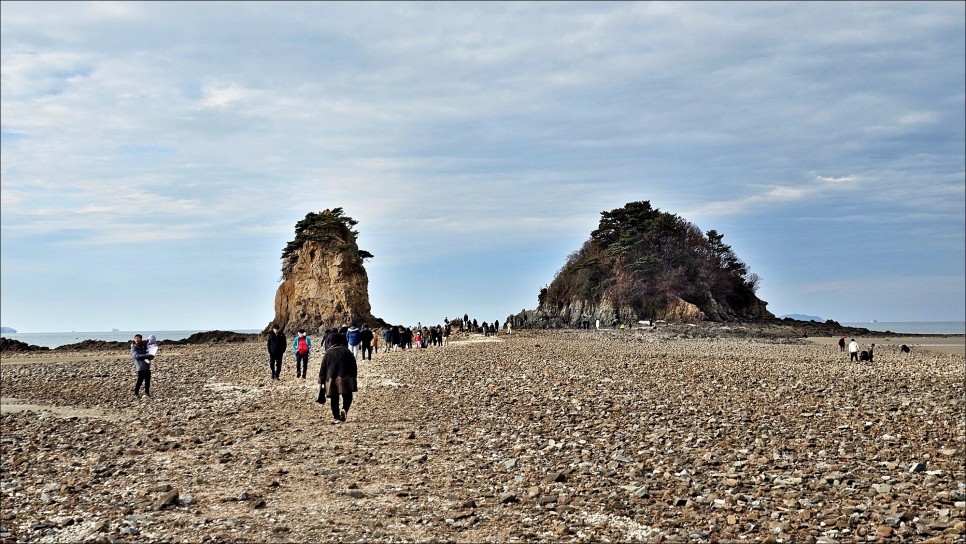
<point>480,340</point>
<point>13,406</point>
<point>939,344</point>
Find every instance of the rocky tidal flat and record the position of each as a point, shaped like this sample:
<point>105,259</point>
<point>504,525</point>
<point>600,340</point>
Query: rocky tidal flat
<point>671,435</point>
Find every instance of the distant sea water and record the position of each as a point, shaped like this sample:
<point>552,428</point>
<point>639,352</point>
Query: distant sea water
<point>57,339</point>
<point>914,327</point>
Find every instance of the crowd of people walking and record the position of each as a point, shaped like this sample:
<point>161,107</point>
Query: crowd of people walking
<point>343,346</point>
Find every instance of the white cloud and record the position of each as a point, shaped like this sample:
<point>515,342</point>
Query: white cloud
<point>221,96</point>
<point>464,126</point>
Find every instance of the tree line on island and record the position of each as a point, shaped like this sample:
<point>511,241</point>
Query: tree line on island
<point>641,263</point>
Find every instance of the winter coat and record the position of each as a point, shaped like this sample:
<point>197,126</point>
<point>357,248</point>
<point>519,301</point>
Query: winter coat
<point>295,344</point>
<point>139,354</point>
<point>366,337</point>
<point>276,343</point>
<point>352,336</point>
<point>338,371</point>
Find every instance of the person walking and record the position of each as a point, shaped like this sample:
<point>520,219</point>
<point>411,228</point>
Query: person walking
<point>302,345</point>
<point>365,341</point>
<point>337,374</point>
<point>842,344</point>
<point>387,338</point>
<point>142,364</point>
<point>352,336</point>
<point>854,351</point>
<point>276,349</point>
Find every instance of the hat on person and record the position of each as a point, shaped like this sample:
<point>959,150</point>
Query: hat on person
<point>152,339</point>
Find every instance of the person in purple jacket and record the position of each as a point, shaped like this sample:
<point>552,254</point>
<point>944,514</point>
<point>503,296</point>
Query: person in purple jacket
<point>142,364</point>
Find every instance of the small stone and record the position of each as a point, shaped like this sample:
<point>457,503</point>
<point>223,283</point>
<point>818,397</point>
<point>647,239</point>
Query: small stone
<point>919,466</point>
<point>508,498</point>
<point>546,499</point>
<point>169,499</point>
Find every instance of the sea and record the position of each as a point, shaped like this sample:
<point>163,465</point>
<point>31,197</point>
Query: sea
<point>913,327</point>
<point>56,339</point>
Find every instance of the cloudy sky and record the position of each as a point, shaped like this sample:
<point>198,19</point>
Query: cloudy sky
<point>156,156</point>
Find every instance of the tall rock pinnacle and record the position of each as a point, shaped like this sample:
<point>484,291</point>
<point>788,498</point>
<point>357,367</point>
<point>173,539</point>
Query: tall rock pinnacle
<point>324,282</point>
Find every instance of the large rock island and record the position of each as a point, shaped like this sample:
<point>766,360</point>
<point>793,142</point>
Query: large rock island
<point>644,264</point>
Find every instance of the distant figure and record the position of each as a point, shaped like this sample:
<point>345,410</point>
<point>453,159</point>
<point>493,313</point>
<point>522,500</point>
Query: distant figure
<point>365,341</point>
<point>509,329</point>
<point>276,349</point>
<point>842,344</point>
<point>352,336</point>
<point>853,351</point>
<point>871,352</point>
<point>302,345</point>
<point>142,364</point>
<point>597,324</point>
<point>337,376</point>
<point>904,348</point>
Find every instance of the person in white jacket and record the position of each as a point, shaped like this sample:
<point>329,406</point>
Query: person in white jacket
<point>854,351</point>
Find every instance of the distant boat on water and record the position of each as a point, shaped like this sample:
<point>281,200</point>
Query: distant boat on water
<point>114,330</point>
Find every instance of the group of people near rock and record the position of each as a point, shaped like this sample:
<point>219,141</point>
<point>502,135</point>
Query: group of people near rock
<point>342,346</point>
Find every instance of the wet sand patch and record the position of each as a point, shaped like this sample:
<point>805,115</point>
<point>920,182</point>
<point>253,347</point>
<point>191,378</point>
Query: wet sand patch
<point>14,406</point>
<point>942,344</point>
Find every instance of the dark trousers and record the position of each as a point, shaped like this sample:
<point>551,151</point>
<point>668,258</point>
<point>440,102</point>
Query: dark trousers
<point>301,365</point>
<point>854,356</point>
<point>366,349</point>
<point>275,364</point>
<point>144,376</point>
<point>346,402</point>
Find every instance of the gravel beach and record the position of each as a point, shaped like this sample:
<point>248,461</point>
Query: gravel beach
<point>676,435</point>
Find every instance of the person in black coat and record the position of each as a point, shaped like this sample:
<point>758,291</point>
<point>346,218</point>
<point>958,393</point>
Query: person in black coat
<point>276,348</point>
<point>337,374</point>
<point>365,340</point>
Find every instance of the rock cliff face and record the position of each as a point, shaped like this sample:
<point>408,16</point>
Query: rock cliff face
<point>324,282</point>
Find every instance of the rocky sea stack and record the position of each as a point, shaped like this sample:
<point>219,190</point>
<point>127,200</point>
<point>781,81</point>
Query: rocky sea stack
<point>324,282</point>
<point>644,264</point>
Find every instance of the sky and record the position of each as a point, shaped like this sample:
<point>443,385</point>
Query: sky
<point>156,156</point>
